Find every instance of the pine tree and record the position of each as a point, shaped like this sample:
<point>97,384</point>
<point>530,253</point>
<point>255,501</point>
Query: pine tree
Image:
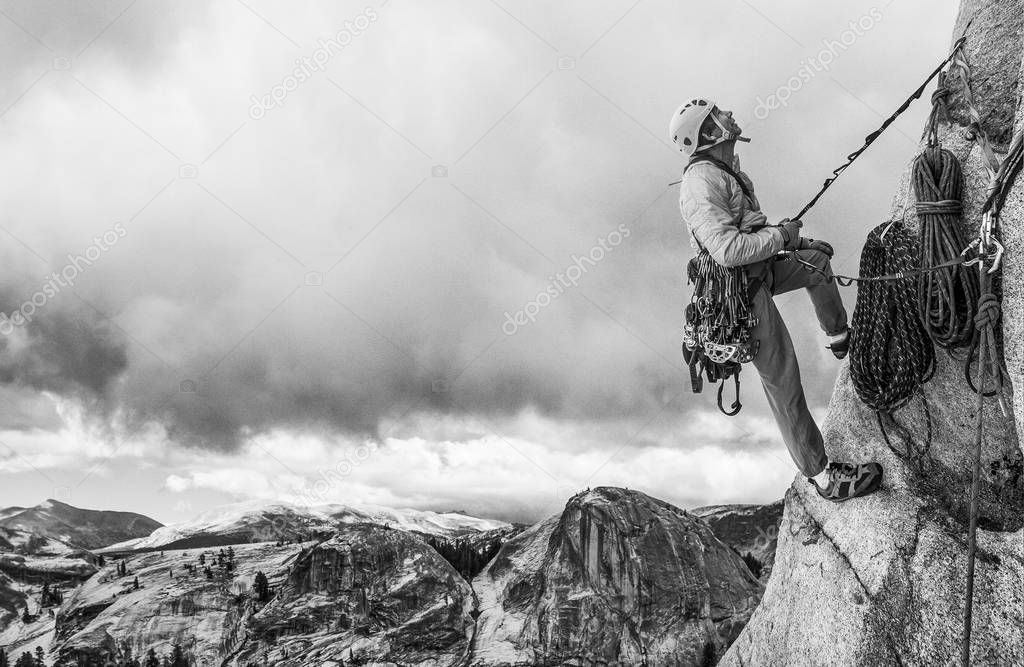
<point>26,660</point>
<point>262,587</point>
<point>151,659</point>
<point>3,658</point>
<point>39,656</point>
<point>753,565</point>
<point>178,657</point>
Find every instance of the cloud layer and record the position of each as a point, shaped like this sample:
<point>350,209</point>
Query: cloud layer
<point>341,267</point>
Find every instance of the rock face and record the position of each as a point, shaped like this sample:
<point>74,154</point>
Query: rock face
<point>35,574</point>
<point>880,581</point>
<point>617,578</point>
<point>749,529</point>
<point>370,595</point>
<point>109,618</point>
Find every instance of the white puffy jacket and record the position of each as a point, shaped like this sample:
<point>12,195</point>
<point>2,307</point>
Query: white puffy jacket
<point>721,219</point>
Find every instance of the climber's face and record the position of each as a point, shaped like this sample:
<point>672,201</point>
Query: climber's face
<point>729,122</point>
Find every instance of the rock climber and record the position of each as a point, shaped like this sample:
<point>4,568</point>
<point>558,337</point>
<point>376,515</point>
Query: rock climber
<point>723,216</point>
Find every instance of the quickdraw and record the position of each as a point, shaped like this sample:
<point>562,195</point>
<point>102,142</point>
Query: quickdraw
<point>717,338</point>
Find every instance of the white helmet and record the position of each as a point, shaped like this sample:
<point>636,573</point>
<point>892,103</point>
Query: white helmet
<point>684,128</point>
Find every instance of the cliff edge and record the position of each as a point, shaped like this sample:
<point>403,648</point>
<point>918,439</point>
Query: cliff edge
<point>880,581</point>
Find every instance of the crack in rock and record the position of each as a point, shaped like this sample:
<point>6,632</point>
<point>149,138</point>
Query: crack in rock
<point>818,526</point>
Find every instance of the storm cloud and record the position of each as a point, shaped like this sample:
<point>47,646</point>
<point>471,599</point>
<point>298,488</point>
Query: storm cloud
<point>345,263</point>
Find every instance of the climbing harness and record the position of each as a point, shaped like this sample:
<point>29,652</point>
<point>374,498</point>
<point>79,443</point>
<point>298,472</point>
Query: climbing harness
<point>717,334</point>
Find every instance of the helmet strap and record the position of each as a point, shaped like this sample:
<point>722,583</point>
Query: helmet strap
<point>726,134</point>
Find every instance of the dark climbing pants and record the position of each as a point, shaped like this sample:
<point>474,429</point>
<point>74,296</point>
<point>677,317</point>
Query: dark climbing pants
<point>776,359</point>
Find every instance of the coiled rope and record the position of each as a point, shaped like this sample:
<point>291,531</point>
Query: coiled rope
<point>947,297</point>
<point>891,355</point>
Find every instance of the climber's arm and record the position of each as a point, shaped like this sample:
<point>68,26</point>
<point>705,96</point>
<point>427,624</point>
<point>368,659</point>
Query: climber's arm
<point>704,204</point>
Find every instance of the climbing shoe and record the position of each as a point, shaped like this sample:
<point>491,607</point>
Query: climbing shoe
<point>846,481</point>
<point>840,347</point>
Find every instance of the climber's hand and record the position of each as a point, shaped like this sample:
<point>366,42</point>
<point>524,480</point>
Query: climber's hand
<point>820,246</point>
<point>791,233</point>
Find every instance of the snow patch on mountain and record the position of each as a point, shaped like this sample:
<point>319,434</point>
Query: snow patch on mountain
<point>256,521</point>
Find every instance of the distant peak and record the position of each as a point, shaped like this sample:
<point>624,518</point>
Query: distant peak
<point>50,503</point>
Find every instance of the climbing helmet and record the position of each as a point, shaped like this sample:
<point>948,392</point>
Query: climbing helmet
<point>684,128</point>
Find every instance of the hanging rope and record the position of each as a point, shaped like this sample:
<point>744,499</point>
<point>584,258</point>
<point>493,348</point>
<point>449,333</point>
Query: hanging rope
<point>946,297</point>
<point>846,281</point>
<point>870,139</point>
<point>986,321</point>
<point>891,355</point>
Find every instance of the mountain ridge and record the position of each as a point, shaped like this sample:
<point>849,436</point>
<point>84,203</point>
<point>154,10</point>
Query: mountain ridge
<point>258,521</point>
<point>367,593</point>
<point>78,527</point>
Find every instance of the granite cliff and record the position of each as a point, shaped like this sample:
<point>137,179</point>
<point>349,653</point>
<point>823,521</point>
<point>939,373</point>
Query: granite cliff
<point>880,581</point>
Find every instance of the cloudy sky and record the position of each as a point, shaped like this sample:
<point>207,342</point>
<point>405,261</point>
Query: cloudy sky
<point>266,249</point>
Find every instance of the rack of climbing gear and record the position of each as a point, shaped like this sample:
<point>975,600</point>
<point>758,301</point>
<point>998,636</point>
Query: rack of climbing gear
<point>717,335</point>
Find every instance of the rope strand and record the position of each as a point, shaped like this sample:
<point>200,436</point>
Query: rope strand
<point>870,139</point>
<point>947,297</point>
<point>891,355</point>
